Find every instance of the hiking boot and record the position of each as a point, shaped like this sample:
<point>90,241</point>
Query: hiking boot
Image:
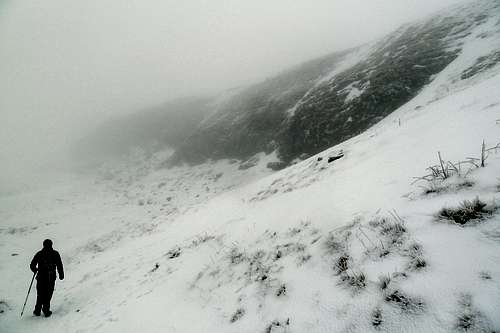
<point>48,314</point>
<point>37,313</point>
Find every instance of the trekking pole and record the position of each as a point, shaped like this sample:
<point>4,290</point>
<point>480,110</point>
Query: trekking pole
<point>32,279</point>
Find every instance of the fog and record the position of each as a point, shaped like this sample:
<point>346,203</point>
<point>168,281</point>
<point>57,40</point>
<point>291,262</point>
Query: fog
<point>65,66</point>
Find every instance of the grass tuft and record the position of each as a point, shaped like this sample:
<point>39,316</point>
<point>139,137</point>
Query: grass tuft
<point>377,318</point>
<point>384,281</point>
<point>237,315</point>
<point>333,244</point>
<point>281,290</point>
<point>466,212</point>
<point>356,281</point>
<point>342,264</point>
<point>469,319</point>
<point>404,302</point>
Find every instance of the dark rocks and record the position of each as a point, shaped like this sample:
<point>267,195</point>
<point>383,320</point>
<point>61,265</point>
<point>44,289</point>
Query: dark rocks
<point>334,158</point>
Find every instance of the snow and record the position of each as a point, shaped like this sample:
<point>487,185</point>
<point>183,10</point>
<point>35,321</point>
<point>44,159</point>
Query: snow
<point>123,273</point>
<point>481,42</point>
<point>354,91</point>
<point>349,60</point>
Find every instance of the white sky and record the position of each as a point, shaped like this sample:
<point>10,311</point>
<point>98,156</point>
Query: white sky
<point>65,65</point>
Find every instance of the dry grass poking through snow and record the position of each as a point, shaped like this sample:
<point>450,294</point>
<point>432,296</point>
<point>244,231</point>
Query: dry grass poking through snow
<point>469,319</point>
<point>467,212</point>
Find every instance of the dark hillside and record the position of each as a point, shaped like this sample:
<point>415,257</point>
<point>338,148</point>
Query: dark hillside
<point>303,111</point>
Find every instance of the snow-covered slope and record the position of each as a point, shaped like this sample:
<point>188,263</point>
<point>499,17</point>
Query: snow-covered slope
<point>329,100</point>
<point>344,241</point>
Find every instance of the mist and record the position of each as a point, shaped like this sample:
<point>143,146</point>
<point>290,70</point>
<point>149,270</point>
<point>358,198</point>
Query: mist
<point>66,66</point>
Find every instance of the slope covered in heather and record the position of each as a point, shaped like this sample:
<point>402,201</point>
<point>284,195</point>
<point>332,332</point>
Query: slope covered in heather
<point>324,102</point>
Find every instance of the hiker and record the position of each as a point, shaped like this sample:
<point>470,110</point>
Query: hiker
<point>44,264</point>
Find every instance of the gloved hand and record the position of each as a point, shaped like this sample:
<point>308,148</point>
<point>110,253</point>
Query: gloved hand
<point>61,277</point>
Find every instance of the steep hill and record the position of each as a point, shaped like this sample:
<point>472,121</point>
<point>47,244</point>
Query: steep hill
<point>306,109</point>
<point>326,101</point>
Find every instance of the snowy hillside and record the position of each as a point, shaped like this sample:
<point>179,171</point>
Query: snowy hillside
<point>324,102</point>
<point>362,237</point>
<point>307,108</point>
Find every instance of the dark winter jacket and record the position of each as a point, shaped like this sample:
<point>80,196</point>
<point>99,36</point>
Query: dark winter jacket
<point>45,262</point>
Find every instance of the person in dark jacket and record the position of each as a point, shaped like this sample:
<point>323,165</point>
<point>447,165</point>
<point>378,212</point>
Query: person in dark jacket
<point>44,264</point>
